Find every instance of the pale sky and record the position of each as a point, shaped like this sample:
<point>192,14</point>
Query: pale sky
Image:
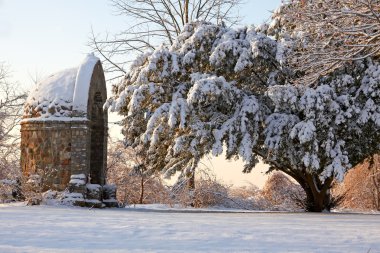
<point>41,37</point>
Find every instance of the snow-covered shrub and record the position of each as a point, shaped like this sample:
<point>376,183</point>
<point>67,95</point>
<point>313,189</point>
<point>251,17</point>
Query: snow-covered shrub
<point>283,194</point>
<point>207,191</point>
<point>210,192</point>
<point>133,186</point>
<point>360,189</point>
<point>10,190</point>
<point>32,189</point>
<point>248,197</point>
<point>129,190</point>
<point>52,198</point>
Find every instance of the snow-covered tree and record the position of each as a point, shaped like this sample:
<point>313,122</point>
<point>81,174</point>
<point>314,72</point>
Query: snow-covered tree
<point>217,88</point>
<point>316,134</point>
<point>175,99</point>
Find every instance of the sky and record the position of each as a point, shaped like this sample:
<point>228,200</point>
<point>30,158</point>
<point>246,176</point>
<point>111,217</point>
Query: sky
<point>41,37</point>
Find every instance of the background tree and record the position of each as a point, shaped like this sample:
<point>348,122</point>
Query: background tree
<point>151,23</point>
<point>11,105</point>
<point>135,184</point>
<point>11,102</point>
<point>333,33</point>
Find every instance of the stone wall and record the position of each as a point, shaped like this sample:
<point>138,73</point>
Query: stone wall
<point>80,146</point>
<point>54,150</point>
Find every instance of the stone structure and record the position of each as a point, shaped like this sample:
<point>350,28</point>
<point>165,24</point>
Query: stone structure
<point>64,134</point>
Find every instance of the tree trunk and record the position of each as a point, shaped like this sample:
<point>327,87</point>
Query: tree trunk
<point>186,11</point>
<point>191,188</point>
<point>318,198</point>
<point>141,190</point>
<point>376,188</point>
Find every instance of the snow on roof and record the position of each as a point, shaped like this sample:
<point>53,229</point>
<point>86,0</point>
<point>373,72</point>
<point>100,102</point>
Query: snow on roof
<point>82,83</point>
<point>60,94</point>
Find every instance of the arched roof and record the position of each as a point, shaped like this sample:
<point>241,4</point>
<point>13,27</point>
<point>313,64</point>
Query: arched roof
<point>60,94</point>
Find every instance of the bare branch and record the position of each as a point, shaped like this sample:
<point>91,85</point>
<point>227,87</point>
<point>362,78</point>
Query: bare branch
<point>11,105</point>
<point>155,22</point>
<point>333,32</point>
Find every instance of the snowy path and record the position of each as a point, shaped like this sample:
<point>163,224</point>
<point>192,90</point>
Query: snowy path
<point>53,229</point>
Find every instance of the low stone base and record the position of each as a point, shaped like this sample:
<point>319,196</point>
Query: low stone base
<point>73,198</point>
<point>109,195</point>
<point>90,195</point>
<point>77,184</point>
<point>110,203</point>
<point>93,203</point>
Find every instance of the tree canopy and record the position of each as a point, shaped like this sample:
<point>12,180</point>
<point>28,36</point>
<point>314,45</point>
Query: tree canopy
<point>218,87</point>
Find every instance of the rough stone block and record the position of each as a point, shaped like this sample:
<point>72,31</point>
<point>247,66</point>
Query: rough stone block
<point>94,203</point>
<point>109,191</point>
<point>109,195</point>
<point>78,184</point>
<point>110,203</point>
<point>94,191</point>
<point>73,198</point>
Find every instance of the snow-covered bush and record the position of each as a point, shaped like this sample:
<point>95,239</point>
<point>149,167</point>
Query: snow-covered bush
<point>248,197</point>
<point>283,194</point>
<point>10,190</point>
<point>210,192</point>
<point>207,192</point>
<point>360,189</point>
<point>133,186</point>
<point>32,189</point>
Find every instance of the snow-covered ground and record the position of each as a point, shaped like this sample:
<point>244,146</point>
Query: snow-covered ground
<point>67,229</point>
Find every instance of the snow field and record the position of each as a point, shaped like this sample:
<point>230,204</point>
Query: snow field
<point>65,229</point>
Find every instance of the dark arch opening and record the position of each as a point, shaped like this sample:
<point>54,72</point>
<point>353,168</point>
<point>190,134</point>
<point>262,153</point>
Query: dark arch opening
<point>97,140</point>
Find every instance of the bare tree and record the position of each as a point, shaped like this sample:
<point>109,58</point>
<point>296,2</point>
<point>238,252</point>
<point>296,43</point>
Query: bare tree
<point>11,105</point>
<point>11,102</point>
<point>153,22</point>
<point>136,185</point>
<point>333,33</point>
